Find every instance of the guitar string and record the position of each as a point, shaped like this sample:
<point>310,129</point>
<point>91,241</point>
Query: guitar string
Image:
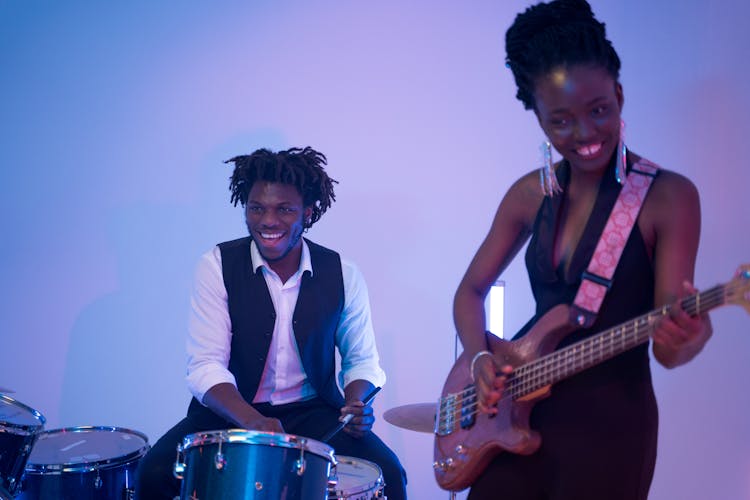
<point>467,397</point>
<point>709,297</point>
<point>542,364</point>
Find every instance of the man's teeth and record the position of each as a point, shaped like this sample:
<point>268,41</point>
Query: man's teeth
<point>270,236</point>
<point>589,150</point>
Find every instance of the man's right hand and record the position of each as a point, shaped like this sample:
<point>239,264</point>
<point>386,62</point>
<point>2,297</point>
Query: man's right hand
<point>226,401</point>
<point>261,423</point>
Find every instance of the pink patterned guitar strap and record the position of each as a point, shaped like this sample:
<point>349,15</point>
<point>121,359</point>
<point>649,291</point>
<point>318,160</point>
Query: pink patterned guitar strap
<point>597,278</point>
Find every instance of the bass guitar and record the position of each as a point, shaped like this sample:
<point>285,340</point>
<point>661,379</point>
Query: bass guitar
<point>466,440</point>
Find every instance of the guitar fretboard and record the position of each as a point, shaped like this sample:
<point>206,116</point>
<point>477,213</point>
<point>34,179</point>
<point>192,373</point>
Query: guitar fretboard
<point>589,352</point>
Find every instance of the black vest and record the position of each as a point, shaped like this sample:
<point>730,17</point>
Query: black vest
<point>316,318</point>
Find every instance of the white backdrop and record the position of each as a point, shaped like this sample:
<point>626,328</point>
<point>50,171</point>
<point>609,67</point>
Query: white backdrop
<point>115,120</point>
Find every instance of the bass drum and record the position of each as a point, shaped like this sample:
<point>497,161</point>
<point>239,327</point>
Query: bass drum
<point>20,427</point>
<point>240,464</point>
<point>84,463</point>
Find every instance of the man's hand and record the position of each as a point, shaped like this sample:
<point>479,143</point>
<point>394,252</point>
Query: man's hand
<point>260,423</point>
<point>226,401</point>
<point>361,418</point>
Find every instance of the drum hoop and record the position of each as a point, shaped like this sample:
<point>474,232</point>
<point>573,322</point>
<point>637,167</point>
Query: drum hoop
<point>279,439</point>
<point>105,464</point>
<point>360,488</point>
<point>24,429</point>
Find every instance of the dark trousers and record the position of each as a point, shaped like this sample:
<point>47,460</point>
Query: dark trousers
<point>312,419</point>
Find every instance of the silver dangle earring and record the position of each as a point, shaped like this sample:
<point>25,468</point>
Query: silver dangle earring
<point>547,177</point>
<point>621,165</point>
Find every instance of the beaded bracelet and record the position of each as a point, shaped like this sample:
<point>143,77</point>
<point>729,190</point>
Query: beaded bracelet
<point>474,362</point>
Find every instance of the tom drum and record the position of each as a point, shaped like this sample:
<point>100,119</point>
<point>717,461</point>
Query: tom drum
<point>84,463</point>
<point>20,427</point>
<point>243,464</point>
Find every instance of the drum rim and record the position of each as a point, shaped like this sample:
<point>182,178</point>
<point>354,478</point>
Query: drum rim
<point>59,468</point>
<point>379,482</point>
<point>280,439</point>
<point>26,429</point>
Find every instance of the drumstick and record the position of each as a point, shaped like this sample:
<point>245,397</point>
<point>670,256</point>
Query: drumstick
<point>348,417</point>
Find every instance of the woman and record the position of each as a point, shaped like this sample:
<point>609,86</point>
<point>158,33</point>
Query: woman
<point>598,427</point>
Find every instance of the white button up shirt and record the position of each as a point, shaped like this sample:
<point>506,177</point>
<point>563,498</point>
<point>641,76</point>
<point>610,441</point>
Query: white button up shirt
<point>284,379</point>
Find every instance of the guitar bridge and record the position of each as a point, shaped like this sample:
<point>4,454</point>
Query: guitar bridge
<point>458,408</point>
<point>444,420</point>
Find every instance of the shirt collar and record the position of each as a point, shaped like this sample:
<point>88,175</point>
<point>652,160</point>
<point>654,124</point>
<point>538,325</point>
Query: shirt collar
<point>305,264</point>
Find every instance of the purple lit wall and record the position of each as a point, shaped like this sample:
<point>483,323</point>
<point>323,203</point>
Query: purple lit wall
<point>115,120</point>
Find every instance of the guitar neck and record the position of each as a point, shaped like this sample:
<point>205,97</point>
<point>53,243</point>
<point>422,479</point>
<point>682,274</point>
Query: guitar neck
<point>605,345</point>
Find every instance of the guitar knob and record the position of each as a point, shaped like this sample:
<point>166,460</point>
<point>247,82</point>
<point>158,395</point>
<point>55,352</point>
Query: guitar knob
<point>450,463</point>
<point>438,466</point>
<point>460,449</point>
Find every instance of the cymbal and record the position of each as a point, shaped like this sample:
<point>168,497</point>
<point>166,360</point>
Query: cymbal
<point>418,417</point>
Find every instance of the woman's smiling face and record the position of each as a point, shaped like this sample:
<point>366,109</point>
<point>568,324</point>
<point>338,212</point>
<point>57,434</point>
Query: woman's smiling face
<point>578,107</point>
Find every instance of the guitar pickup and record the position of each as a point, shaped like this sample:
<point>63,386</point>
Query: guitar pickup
<point>469,407</point>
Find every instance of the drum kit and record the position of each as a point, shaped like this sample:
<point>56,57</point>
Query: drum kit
<point>98,463</point>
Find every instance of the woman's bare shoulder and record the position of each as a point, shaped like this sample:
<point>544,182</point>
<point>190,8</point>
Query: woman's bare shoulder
<point>524,197</point>
<point>673,187</point>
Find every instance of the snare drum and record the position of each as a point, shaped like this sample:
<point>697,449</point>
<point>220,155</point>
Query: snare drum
<point>242,464</point>
<point>84,463</point>
<point>355,479</point>
<point>19,429</point>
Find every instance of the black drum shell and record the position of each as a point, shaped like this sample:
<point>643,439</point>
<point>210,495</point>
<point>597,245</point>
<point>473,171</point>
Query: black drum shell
<point>110,474</point>
<point>20,427</point>
<point>116,482</point>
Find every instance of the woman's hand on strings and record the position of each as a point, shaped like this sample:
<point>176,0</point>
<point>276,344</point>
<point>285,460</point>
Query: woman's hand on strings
<point>489,382</point>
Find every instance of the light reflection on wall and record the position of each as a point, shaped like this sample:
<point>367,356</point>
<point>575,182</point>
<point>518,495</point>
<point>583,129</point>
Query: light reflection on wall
<point>496,308</point>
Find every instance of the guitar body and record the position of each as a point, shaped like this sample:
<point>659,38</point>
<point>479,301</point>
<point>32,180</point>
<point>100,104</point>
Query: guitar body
<point>467,440</point>
<point>465,452</point>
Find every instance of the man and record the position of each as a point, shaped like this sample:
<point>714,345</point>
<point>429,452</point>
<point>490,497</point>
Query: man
<point>267,313</point>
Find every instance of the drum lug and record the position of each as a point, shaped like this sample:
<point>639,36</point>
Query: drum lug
<point>179,464</point>
<point>333,479</point>
<point>219,460</point>
<point>299,464</point>
<point>98,481</point>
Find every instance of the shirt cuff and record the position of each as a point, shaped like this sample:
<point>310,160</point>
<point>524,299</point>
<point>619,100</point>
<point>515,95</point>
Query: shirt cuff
<point>374,375</point>
<point>199,381</point>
